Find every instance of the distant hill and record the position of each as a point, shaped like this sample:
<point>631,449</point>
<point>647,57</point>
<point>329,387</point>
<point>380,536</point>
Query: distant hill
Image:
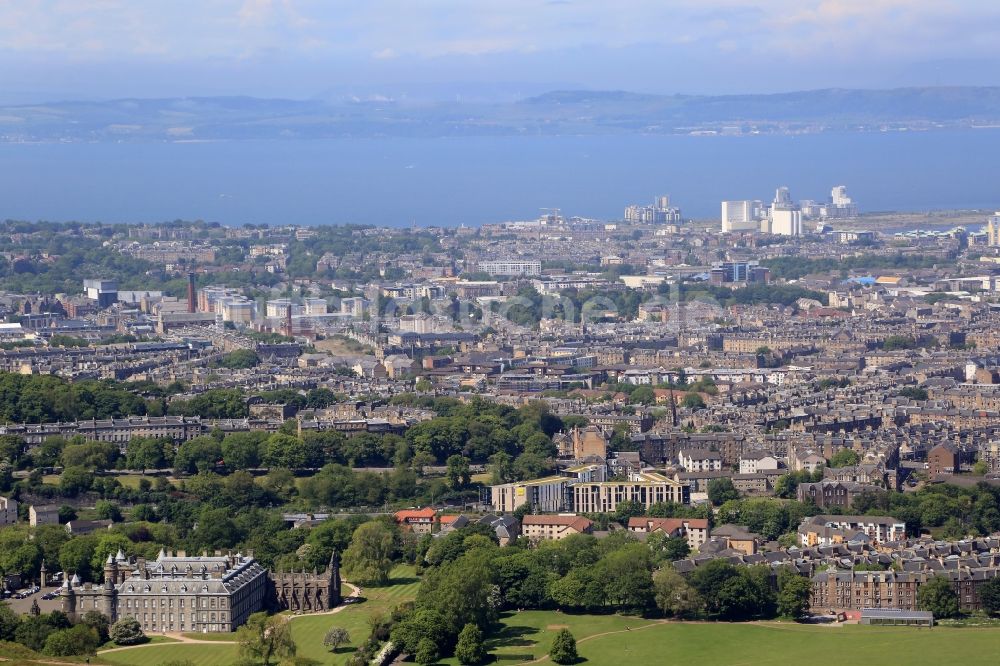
<point>553,113</point>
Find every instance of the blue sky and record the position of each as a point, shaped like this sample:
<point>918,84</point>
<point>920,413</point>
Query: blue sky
<point>487,49</point>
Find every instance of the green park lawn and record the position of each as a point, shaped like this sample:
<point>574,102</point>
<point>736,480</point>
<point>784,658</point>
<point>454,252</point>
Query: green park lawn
<point>527,636</point>
<point>199,655</point>
<point>307,630</point>
<point>620,639</point>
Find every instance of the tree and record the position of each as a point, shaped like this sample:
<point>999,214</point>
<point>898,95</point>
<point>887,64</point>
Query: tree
<point>197,455</point>
<point>282,450</point>
<point>265,636</point>
<point>148,453</point>
<point>427,651</point>
<point>721,491</point>
<point>33,631</point>
<point>75,480</point>
<point>470,648</point>
<point>501,468</point>
<point>8,622</point>
<point>747,595</point>
<point>368,559</point>
<point>107,510</point>
<point>458,474</point>
<point>98,622</point>
<point>989,594</point>
<point>239,359</point>
<point>462,590</point>
<point>80,639</point>
<point>980,468</point>
<point>90,455</point>
<point>845,458</point>
<point>674,596</point>
<point>793,596</point>
<point>335,637</point>
<point>666,548</point>
<point>76,554</point>
<point>938,597</point>
<point>127,631</point>
<point>421,624</point>
<point>626,576</point>
<point>628,509</point>
<point>563,650</point>
<point>643,395</point>
<point>693,401</point>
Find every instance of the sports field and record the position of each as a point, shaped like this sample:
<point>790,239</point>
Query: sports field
<point>308,631</point>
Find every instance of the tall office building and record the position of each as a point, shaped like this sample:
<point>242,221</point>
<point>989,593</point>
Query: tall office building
<point>993,230</point>
<point>838,196</point>
<point>840,205</point>
<point>782,197</point>
<point>661,212</point>
<point>740,215</point>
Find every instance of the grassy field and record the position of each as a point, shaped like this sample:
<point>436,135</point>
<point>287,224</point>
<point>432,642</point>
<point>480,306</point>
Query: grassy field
<point>615,639</point>
<point>203,654</point>
<point>308,631</point>
<point>619,639</point>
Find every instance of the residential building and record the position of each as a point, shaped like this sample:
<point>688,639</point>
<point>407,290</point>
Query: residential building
<point>833,493</point>
<point>554,528</point>
<point>46,514</point>
<point>695,530</point>
<point>418,521</point>
<point>80,527</point>
<point>942,459</point>
<point>735,537</point>
<point>699,460</point>
<point>661,212</point>
<point>588,441</point>
<point>993,230</point>
<point>506,528</point>
<point>512,267</point>
<point>8,511</point>
<point>824,530</point>
<point>759,462</point>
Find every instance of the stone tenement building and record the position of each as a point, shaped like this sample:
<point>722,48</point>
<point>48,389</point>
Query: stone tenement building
<point>198,593</point>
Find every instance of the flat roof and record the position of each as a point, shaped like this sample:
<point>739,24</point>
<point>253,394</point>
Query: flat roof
<point>896,613</point>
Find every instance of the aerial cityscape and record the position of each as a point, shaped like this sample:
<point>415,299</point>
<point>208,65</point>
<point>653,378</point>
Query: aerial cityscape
<point>472,333</point>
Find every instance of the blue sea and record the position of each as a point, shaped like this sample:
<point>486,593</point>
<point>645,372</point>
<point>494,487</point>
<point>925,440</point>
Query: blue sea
<point>472,180</point>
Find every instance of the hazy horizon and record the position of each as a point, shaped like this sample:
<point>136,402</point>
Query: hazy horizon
<point>302,49</point>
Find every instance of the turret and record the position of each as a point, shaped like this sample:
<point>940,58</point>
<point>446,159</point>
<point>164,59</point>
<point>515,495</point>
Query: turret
<point>68,596</point>
<point>333,571</point>
<point>110,573</point>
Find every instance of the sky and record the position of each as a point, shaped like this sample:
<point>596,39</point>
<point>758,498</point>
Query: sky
<point>486,49</point>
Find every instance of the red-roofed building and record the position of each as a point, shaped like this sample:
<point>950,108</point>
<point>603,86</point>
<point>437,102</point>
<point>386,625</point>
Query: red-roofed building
<point>418,521</point>
<point>695,530</point>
